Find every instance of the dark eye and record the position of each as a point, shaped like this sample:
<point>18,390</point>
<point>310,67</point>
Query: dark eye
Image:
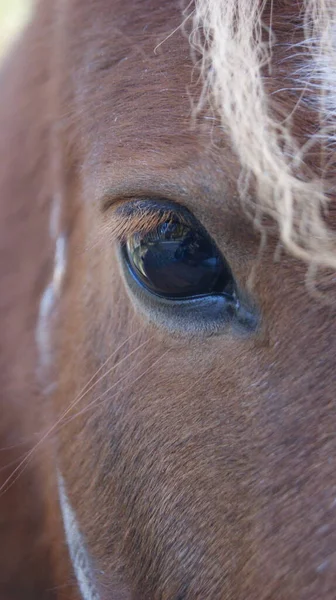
<point>178,261</point>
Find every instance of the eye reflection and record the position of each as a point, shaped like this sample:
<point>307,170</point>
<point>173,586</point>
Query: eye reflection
<point>176,260</point>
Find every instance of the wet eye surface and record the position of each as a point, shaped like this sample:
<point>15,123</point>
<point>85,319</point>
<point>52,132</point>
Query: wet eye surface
<point>178,261</point>
<point>176,274</point>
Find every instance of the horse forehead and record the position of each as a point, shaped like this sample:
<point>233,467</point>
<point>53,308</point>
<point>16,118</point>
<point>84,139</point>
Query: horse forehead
<point>136,113</point>
<point>136,108</point>
<point>138,99</point>
<point>134,89</point>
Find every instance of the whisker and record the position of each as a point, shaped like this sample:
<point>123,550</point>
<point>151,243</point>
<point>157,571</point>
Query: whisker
<point>17,445</point>
<point>20,468</point>
<point>11,463</point>
<point>30,439</point>
<point>79,398</point>
<point>94,402</point>
<point>107,360</point>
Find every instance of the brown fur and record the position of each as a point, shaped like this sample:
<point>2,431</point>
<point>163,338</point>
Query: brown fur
<point>199,467</point>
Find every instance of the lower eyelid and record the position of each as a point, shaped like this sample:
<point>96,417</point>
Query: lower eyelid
<point>207,315</point>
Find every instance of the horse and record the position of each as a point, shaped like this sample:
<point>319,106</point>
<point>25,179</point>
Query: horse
<point>168,343</point>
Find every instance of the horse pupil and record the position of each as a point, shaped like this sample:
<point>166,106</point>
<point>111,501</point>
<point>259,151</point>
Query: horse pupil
<point>176,261</point>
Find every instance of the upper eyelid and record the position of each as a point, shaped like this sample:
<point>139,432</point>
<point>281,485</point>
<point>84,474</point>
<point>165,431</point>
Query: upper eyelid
<point>153,205</point>
<point>142,215</point>
<point>133,190</point>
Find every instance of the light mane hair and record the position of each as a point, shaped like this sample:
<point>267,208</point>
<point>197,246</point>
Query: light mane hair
<point>229,35</point>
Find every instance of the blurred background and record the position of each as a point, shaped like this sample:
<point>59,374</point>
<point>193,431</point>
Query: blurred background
<point>13,15</point>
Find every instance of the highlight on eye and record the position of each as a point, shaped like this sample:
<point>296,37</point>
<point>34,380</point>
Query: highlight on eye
<point>177,261</point>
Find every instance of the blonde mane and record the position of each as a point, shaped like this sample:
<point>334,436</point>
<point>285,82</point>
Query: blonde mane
<point>229,35</point>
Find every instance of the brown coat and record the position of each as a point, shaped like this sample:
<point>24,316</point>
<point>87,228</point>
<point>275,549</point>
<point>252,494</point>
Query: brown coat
<point>201,466</point>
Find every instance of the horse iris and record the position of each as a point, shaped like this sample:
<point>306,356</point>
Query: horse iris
<point>177,261</point>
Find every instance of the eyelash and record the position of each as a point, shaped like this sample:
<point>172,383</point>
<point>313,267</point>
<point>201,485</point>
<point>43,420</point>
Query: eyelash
<point>142,216</point>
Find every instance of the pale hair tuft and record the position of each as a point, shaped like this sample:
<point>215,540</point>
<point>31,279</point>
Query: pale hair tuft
<point>228,35</point>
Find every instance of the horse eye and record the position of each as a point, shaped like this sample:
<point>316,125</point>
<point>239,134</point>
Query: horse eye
<point>177,261</point>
